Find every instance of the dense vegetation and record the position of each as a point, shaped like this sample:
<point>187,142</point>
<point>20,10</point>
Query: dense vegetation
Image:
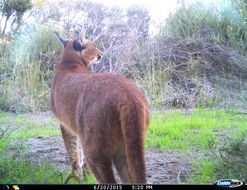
<point>197,58</point>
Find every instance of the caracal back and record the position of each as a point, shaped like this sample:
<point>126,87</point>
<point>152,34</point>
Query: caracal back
<point>106,113</point>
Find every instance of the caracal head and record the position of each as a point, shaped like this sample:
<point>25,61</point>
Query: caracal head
<point>76,50</point>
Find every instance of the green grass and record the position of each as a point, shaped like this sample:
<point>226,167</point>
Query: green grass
<point>203,131</point>
<point>25,127</point>
<point>19,171</point>
<point>204,172</point>
<point>227,161</point>
<point>200,129</point>
<point>23,172</point>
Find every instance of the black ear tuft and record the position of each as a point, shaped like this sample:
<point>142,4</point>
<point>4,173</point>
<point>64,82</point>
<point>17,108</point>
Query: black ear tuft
<point>77,46</point>
<point>62,39</point>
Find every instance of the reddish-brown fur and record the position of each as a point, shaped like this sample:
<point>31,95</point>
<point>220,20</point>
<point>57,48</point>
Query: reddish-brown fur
<point>105,111</point>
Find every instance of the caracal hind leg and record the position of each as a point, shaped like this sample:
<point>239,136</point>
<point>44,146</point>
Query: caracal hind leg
<point>120,162</point>
<point>97,159</point>
<point>71,142</point>
<point>101,167</point>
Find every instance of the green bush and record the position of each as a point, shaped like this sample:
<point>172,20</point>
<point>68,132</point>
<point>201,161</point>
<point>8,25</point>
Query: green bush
<point>222,21</point>
<point>25,84</point>
<point>228,160</point>
<point>233,158</point>
<point>201,50</point>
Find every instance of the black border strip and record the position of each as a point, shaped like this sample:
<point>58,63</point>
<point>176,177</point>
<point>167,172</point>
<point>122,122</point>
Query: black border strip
<point>110,187</point>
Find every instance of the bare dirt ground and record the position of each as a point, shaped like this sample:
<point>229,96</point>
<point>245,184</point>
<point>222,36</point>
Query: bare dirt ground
<point>162,167</point>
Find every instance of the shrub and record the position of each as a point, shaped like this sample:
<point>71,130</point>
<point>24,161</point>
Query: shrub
<point>221,21</point>
<point>25,85</point>
<point>202,54</point>
<point>233,159</point>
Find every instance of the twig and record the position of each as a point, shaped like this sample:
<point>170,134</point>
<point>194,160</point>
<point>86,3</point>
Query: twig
<point>67,179</point>
<point>2,133</point>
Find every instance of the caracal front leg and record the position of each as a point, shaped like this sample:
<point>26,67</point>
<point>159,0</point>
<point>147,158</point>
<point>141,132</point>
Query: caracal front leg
<point>71,142</point>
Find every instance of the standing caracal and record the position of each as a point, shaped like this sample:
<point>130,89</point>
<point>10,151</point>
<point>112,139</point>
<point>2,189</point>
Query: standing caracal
<point>105,112</point>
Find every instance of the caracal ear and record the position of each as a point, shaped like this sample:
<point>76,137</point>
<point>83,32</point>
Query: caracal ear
<point>62,39</point>
<point>77,45</point>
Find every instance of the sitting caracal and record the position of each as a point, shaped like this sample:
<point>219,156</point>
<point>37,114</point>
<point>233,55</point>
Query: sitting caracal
<point>106,113</point>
